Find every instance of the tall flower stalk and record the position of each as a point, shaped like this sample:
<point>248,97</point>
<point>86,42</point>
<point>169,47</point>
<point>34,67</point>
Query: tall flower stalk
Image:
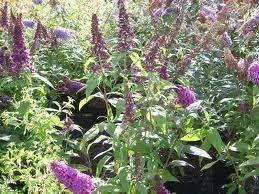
<point>75,181</point>
<point>20,57</point>
<point>126,33</point>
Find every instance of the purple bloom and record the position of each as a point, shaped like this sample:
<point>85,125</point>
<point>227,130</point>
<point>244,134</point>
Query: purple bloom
<point>134,68</point>
<point>210,13</point>
<point>159,187</point>
<point>150,57</point>
<point>185,96</point>
<point>250,25</point>
<point>4,17</point>
<point>129,107</point>
<point>29,23</point>
<point>163,74</point>
<point>126,33</point>
<point>19,57</point>
<point>37,2</point>
<point>62,34</point>
<point>253,72</point>
<point>75,181</point>
<point>70,86</point>
<point>5,99</point>
<point>226,39</point>
<point>69,125</point>
<point>157,13</point>
<point>246,108</point>
<point>98,41</point>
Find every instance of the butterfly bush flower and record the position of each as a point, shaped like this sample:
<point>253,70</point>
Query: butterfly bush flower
<point>157,13</point>
<point>70,86</point>
<point>37,2</point>
<point>4,16</point>
<point>126,33</point>
<point>185,96</point>
<point>151,55</point>
<point>246,108</point>
<point>69,125</point>
<point>98,41</point>
<point>29,23</point>
<point>159,187</point>
<point>208,12</point>
<point>75,181</point>
<point>129,107</point>
<point>163,73</point>
<point>226,39</point>
<point>62,34</point>
<point>250,25</point>
<point>5,99</point>
<point>20,57</point>
<point>253,72</point>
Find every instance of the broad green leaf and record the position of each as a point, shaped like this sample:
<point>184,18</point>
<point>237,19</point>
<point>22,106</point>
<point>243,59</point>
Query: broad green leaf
<point>215,139</point>
<point>240,147</point>
<point>196,151</point>
<point>252,173</point>
<point>101,164</point>
<point>191,137</point>
<point>166,175</point>
<point>207,166</point>
<point>45,80</point>
<point>90,134</point>
<point>180,163</point>
<point>84,101</point>
<point>251,161</point>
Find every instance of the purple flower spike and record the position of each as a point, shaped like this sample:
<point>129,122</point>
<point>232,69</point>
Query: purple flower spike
<point>250,25</point>
<point>98,41</point>
<point>126,33</point>
<point>19,57</point>
<point>253,72</point>
<point>4,16</point>
<point>70,86</point>
<point>129,107</point>
<point>246,108</point>
<point>210,13</point>
<point>75,181</point>
<point>157,13</point>
<point>37,2</point>
<point>5,99</point>
<point>159,187</point>
<point>29,23</point>
<point>185,96</point>
<point>62,34</point>
<point>163,74</point>
<point>226,39</point>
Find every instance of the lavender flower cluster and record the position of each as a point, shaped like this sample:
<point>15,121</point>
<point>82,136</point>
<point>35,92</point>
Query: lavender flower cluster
<point>4,16</point>
<point>98,41</point>
<point>159,187</point>
<point>253,72</point>
<point>75,181</point>
<point>20,57</point>
<point>62,34</point>
<point>126,33</point>
<point>185,96</point>
<point>129,107</point>
<point>70,86</point>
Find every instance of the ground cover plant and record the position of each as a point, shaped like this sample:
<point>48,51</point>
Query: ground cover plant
<point>129,96</point>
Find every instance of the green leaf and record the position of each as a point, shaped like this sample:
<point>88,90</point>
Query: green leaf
<point>90,134</point>
<point>45,80</point>
<point>215,140</point>
<point>88,62</point>
<point>251,161</point>
<point>207,166</point>
<point>180,163</point>
<point>101,164</point>
<point>84,101</point>
<point>196,151</point>
<point>240,147</point>
<point>166,175</point>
